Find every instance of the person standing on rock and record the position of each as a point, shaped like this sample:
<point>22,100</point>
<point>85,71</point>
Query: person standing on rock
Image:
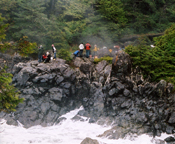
<point>54,52</point>
<point>40,53</point>
<point>87,47</point>
<point>81,47</point>
<point>95,51</point>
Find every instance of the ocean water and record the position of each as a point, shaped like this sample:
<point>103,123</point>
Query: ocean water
<point>67,132</point>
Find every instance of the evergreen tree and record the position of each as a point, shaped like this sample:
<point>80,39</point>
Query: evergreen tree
<point>30,20</point>
<point>74,18</point>
<point>3,27</point>
<point>157,62</point>
<point>148,15</point>
<point>8,93</point>
<point>6,7</point>
<point>112,10</point>
<point>69,22</point>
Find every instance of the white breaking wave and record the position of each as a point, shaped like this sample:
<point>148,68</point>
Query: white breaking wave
<point>67,132</point>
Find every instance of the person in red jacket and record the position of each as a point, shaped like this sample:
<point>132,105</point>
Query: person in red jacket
<point>44,57</point>
<point>87,47</point>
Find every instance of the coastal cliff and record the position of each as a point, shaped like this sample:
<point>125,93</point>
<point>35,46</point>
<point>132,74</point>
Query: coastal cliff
<point>112,94</point>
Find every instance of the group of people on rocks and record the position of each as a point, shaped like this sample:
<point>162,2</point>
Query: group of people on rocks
<point>45,57</point>
<point>87,47</point>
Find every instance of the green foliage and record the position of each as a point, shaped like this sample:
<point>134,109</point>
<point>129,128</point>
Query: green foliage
<point>7,5</point>
<point>5,47</point>
<point>113,10</point>
<point>73,48</point>
<point>167,42</point>
<point>66,23</point>
<point>2,28</point>
<point>8,93</point>
<point>165,49</point>
<point>147,15</point>
<point>57,35</point>
<point>142,56</point>
<point>158,62</point>
<point>30,20</point>
<point>106,58</point>
<point>24,47</point>
<point>64,54</point>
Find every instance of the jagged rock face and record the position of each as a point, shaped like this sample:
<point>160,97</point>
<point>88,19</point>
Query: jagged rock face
<point>121,65</point>
<point>106,91</point>
<point>10,61</point>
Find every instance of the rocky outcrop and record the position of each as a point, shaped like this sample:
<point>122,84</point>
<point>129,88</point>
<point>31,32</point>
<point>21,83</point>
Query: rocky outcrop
<point>89,141</point>
<point>10,61</point>
<point>108,93</point>
<point>121,65</point>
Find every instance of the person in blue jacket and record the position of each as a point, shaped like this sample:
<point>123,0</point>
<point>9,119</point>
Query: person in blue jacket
<point>76,53</point>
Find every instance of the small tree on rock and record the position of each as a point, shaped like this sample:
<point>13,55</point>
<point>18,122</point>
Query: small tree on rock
<point>8,93</point>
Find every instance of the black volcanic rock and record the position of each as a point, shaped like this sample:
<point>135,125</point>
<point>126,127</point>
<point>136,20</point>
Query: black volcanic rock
<point>170,139</point>
<point>109,93</point>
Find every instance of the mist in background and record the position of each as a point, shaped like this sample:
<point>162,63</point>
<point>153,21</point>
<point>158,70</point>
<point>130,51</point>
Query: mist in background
<point>66,23</point>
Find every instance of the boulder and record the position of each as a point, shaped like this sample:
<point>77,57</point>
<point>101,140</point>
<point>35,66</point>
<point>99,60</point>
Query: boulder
<point>170,139</point>
<point>89,141</point>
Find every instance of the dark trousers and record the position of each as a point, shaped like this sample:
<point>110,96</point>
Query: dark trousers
<point>47,60</point>
<point>81,53</point>
<point>39,57</point>
<point>87,53</point>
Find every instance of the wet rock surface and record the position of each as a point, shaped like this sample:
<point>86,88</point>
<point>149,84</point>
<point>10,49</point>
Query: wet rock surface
<point>109,93</point>
<point>170,139</point>
<point>89,141</point>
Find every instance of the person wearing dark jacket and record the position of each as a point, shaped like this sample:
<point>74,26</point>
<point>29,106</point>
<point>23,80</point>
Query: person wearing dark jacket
<point>87,47</point>
<point>48,58</point>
